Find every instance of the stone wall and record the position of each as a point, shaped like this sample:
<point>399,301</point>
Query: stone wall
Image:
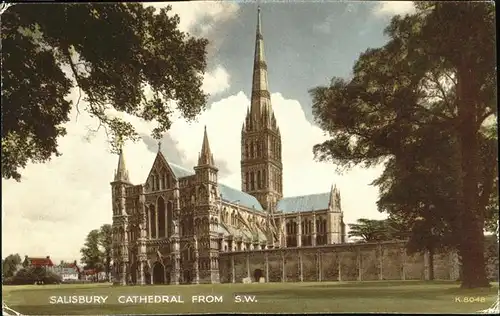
<point>339,262</point>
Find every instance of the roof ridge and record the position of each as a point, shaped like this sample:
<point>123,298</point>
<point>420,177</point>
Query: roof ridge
<point>305,195</point>
<point>179,166</point>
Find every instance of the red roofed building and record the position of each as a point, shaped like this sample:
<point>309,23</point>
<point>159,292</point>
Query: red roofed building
<point>38,262</point>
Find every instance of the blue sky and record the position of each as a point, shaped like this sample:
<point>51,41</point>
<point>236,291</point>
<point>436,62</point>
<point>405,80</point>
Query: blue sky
<point>306,44</point>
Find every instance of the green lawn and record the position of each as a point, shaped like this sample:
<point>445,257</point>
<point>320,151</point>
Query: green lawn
<point>383,296</point>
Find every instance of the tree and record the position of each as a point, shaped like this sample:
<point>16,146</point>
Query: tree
<point>32,275</point>
<point>422,84</point>
<point>92,256</point>
<point>96,252</point>
<point>122,58</point>
<point>105,242</point>
<point>10,264</point>
<point>369,230</point>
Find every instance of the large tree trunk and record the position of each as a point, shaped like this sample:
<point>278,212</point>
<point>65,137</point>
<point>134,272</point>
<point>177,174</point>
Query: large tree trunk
<point>471,218</point>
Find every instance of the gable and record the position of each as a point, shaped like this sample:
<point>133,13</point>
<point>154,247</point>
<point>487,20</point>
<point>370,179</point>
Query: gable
<point>162,168</point>
<point>304,203</point>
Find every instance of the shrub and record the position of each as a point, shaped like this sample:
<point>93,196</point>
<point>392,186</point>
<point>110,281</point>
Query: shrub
<point>34,276</point>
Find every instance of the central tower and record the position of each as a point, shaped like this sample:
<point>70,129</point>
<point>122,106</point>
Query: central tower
<point>261,166</point>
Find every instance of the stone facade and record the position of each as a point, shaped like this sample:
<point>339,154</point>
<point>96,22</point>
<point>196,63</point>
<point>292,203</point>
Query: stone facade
<point>184,227</point>
<point>176,227</point>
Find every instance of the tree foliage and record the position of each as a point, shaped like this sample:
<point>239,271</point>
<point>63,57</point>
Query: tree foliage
<point>105,241</point>
<point>10,264</point>
<point>121,57</point>
<point>368,230</point>
<point>419,105</point>
<point>96,252</point>
<point>372,230</point>
<point>92,255</point>
<point>33,275</point>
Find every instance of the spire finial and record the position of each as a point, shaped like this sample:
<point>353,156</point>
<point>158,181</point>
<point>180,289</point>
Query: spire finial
<point>159,146</point>
<point>121,172</point>
<point>259,31</point>
<point>205,157</point>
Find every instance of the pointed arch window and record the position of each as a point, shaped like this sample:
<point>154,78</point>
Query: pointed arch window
<point>252,181</point>
<point>161,218</point>
<point>258,180</point>
<point>148,230</point>
<point>252,153</point>
<point>152,221</point>
<point>168,180</point>
<point>162,181</point>
<point>157,182</point>
<point>170,208</point>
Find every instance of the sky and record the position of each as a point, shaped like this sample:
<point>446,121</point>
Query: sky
<point>55,206</point>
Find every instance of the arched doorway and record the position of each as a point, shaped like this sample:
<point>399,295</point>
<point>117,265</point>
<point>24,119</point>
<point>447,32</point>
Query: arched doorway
<point>133,272</point>
<point>158,273</point>
<point>147,277</point>
<point>168,271</point>
<point>187,276</point>
<point>257,274</point>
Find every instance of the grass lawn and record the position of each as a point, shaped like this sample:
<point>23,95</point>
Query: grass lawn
<point>383,296</point>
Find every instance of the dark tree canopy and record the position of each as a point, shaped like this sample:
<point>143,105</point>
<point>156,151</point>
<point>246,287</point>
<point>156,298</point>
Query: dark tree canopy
<point>106,243</point>
<point>92,255</point>
<point>369,230</point>
<point>10,264</point>
<point>373,230</point>
<point>419,104</point>
<point>96,252</point>
<point>121,57</point>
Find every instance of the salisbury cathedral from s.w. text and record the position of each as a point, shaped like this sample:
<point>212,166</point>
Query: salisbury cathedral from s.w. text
<point>172,229</point>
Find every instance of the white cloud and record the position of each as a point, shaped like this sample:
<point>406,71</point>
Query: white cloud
<point>391,8</point>
<point>191,13</point>
<point>302,175</point>
<point>216,81</point>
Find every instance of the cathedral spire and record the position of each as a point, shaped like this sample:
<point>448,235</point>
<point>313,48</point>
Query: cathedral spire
<point>261,100</point>
<point>121,171</point>
<point>261,166</point>
<point>206,157</point>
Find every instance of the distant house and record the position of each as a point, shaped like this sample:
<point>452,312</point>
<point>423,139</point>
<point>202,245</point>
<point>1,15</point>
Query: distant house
<point>67,271</point>
<point>93,275</point>
<point>37,262</point>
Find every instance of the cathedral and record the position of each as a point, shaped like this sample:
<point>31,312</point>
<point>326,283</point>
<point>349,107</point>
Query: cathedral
<point>172,228</point>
